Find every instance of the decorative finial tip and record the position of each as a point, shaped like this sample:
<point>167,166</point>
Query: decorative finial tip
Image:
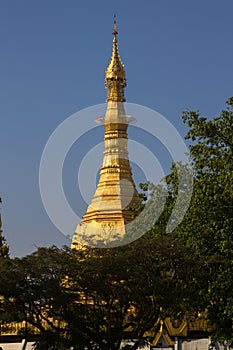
<point>115,26</point>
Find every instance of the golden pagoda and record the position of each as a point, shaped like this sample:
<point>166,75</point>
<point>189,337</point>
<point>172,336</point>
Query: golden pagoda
<point>104,223</point>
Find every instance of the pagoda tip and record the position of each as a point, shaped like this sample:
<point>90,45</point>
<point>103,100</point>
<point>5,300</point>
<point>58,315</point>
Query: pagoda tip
<point>115,26</point>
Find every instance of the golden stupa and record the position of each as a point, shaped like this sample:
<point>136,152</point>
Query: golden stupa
<point>104,223</point>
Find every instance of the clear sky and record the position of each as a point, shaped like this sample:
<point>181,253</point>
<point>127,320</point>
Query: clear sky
<point>177,55</point>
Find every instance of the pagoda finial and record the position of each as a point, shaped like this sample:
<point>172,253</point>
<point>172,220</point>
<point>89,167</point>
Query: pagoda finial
<point>115,78</point>
<point>115,26</point>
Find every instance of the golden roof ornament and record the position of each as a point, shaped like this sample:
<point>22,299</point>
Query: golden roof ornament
<point>115,78</point>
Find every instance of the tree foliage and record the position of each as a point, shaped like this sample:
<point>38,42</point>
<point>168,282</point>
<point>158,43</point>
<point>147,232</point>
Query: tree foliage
<point>99,297</point>
<point>4,249</point>
<point>208,226</point>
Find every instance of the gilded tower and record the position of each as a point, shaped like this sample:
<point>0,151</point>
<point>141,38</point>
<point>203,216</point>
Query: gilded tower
<point>104,223</point>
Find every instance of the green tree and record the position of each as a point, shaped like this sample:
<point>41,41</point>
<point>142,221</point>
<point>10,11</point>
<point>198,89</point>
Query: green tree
<point>208,225</point>
<point>4,249</point>
<point>96,298</point>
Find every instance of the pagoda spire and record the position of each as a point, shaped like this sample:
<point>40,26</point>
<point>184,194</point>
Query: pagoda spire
<point>104,223</point>
<point>115,78</point>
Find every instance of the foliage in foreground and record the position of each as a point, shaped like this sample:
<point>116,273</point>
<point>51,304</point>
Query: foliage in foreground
<point>4,249</point>
<point>208,226</point>
<point>99,296</point>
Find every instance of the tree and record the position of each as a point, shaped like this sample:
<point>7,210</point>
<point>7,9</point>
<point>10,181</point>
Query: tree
<point>134,285</point>
<point>4,249</point>
<point>32,292</point>
<point>208,225</point>
<point>207,228</point>
<point>95,298</point>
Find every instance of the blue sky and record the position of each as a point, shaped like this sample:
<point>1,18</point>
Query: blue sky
<point>177,55</point>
